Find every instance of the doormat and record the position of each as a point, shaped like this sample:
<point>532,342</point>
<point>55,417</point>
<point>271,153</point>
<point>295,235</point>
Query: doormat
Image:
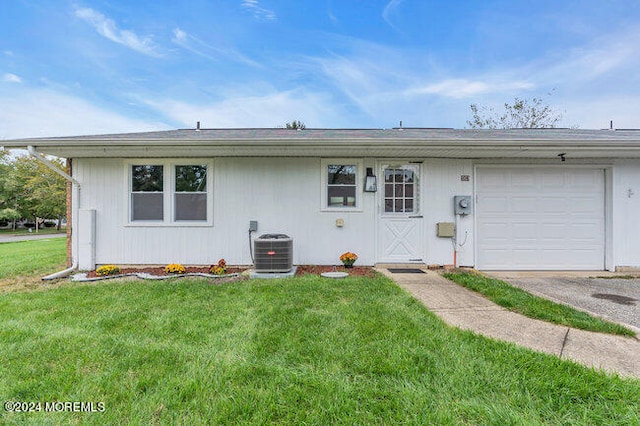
<point>405,271</point>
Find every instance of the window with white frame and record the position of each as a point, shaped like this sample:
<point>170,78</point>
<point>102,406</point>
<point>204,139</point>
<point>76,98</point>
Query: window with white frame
<point>166,192</point>
<point>341,184</point>
<point>147,192</point>
<point>190,197</point>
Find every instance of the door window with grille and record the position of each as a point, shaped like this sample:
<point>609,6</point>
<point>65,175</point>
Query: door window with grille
<point>401,189</point>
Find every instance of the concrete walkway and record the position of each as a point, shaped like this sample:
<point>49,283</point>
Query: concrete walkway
<point>26,237</point>
<point>468,310</point>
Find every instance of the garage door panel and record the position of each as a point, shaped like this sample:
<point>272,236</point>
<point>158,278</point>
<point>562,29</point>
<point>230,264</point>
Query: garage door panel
<point>492,181</point>
<point>584,205</point>
<point>553,180</point>
<point>524,231</point>
<point>497,204</point>
<point>546,218</point>
<point>552,204</point>
<point>553,231</point>
<point>526,257</point>
<point>523,204</point>
<point>585,180</point>
<point>585,232</point>
<point>523,181</point>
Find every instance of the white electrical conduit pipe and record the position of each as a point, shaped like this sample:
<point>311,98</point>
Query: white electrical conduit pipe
<point>76,186</point>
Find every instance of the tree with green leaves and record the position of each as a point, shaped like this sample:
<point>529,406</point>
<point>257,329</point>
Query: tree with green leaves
<point>30,190</point>
<point>531,113</point>
<point>296,125</point>
<point>8,204</point>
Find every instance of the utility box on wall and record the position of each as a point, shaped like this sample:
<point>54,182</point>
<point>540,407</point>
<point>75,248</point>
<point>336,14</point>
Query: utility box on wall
<point>462,205</point>
<point>87,240</point>
<point>446,229</point>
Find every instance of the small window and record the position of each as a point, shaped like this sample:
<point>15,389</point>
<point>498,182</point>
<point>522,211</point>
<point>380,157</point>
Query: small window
<point>190,202</point>
<point>147,192</point>
<point>341,185</point>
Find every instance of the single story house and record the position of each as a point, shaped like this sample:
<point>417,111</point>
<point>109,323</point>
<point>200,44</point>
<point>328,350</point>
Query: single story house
<point>530,199</point>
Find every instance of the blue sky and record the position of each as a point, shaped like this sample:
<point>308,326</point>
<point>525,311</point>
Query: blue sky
<point>70,67</point>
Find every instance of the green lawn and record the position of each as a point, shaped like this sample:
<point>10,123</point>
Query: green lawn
<point>298,351</point>
<point>25,258</point>
<point>518,300</point>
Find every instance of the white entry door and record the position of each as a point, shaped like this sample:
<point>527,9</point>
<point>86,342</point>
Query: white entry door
<point>400,236</point>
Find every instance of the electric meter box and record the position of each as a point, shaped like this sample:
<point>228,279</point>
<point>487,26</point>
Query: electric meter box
<point>462,204</point>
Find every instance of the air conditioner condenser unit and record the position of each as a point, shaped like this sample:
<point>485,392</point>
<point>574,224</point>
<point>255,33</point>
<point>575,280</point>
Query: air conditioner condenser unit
<point>273,253</point>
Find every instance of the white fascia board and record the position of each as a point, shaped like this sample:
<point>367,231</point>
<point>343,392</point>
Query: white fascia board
<point>454,148</point>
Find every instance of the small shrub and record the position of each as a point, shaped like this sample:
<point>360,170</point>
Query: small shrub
<point>174,268</point>
<point>105,270</point>
<point>220,268</point>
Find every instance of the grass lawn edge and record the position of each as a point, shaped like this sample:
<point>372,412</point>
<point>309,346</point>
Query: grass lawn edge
<point>520,301</point>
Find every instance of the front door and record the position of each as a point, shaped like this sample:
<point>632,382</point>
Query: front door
<point>400,228</point>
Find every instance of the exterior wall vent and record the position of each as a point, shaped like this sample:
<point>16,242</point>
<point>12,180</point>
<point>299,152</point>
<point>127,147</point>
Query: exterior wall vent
<point>273,253</point>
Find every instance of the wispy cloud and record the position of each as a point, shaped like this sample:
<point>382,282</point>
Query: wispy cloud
<point>45,112</point>
<point>462,88</point>
<point>389,9</point>
<point>605,56</point>
<point>258,11</point>
<point>107,27</point>
<point>184,40</point>
<point>11,78</point>
<point>199,47</point>
<point>261,110</point>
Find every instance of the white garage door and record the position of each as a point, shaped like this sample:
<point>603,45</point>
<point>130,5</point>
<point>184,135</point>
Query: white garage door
<point>540,218</point>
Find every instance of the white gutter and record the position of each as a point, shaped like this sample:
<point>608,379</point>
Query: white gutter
<point>76,187</point>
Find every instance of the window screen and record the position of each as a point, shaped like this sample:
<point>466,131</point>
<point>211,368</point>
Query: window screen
<point>341,185</point>
<point>147,197</point>
<point>190,198</point>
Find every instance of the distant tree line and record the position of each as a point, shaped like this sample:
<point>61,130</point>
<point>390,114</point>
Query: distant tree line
<point>29,190</point>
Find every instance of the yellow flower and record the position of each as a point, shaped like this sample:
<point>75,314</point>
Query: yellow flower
<point>105,270</point>
<point>174,268</point>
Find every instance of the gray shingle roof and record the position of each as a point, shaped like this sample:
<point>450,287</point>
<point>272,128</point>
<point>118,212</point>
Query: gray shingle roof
<point>384,134</point>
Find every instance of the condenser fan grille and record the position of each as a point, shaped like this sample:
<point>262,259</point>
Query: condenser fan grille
<point>273,253</point>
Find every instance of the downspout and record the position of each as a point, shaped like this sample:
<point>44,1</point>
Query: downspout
<point>75,196</point>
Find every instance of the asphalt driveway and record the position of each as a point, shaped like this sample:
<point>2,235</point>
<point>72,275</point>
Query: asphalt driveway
<point>616,299</point>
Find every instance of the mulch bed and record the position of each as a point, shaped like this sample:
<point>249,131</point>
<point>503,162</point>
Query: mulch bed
<point>160,272</point>
<point>356,271</point>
